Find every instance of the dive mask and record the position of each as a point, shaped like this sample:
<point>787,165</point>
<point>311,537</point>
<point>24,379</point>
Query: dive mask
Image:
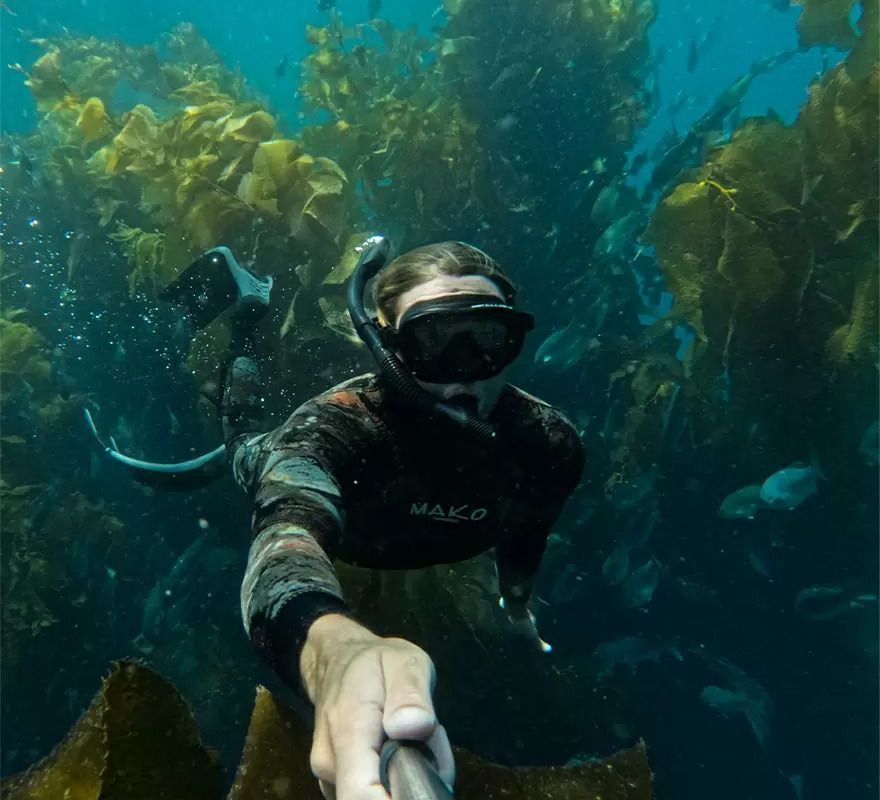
<point>459,339</point>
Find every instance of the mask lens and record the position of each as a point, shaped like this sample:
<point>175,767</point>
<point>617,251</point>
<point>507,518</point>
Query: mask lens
<point>450,348</point>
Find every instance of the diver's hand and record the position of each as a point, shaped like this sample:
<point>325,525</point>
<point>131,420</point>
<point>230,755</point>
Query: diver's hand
<point>365,689</point>
<point>522,623</point>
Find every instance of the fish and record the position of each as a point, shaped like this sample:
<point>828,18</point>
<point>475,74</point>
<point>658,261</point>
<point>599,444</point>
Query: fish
<point>692,56</point>
<point>630,492</point>
<point>823,603</point>
<point>568,586</point>
<point>575,192</point>
<point>19,157</point>
<point>630,652</point>
<point>639,587</point>
<point>619,234</point>
<point>605,205</point>
<point>740,694</point>
<point>869,445</point>
<point>507,123</point>
<point>744,503</point>
<point>373,8</point>
<point>164,594</point>
<point>615,567</point>
<point>787,488</point>
<point>759,561</point>
<point>685,152</point>
<point>694,592</point>
<point>281,67</point>
<point>564,348</point>
<point>639,161</point>
<point>729,702</point>
<point>509,73</point>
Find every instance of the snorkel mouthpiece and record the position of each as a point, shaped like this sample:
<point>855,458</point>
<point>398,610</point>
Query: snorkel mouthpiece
<point>374,255</point>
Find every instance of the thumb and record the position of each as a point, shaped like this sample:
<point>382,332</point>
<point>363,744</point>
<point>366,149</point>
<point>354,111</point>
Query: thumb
<point>409,710</point>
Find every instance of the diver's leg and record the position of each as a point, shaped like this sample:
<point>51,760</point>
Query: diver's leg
<point>211,284</point>
<point>241,408</point>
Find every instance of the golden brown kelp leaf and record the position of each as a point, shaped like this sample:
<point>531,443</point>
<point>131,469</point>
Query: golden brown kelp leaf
<point>184,176</point>
<point>93,121</point>
<point>136,740</point>
<point>623,776</point>
<point>275,760</point>
<point>24,358</point>
<point>394,123</point>
<point>275,764</point>
<point>41,534</point>
<point>856,341</point>
<point>866,52</point>
<point>827,22</point>
<point>839,125</point>
<point>46,82</point>
<point>684,229</point>
<point>510,89</point>
<point>773,275</point>
<point>762,164</point>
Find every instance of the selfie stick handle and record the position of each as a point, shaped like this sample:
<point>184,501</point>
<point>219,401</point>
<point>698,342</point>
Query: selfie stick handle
<point>408,771</point>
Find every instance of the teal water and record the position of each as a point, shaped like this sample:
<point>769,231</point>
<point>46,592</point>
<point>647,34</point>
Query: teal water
<point>743,650</point>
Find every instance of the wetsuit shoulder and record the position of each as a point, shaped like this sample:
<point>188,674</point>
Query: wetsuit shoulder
<point>549,437</point>
<point>352,406</point>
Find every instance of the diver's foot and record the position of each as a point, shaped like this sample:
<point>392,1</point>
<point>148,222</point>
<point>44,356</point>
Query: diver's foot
<point>214,282</point>
<point>252,301</point>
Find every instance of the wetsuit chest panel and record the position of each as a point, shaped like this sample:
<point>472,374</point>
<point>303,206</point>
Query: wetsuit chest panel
<point>428,503</point>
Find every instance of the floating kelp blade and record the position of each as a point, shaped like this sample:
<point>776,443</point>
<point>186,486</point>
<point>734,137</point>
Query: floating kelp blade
<point>136,740</point>
<point>275,763</point>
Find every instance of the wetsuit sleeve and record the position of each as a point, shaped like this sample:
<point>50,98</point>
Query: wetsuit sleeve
<point>296,477</point>
<point>532,514</point>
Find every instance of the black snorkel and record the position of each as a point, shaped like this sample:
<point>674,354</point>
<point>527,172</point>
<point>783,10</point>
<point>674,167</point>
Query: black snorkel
<point>374,255</point>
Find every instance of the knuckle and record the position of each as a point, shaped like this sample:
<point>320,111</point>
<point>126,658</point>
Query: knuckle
<point>322,766</point>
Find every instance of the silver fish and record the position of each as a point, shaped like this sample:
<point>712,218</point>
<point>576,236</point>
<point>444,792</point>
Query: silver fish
<point>742,504</point>
<point>789,487</point>
<point>564,348</point>
<point>619,234</point>
<point>615,567</point>
<point>631,651</point>
<point>639,588</point>
<point>869,446</point>
<point>630,493</point>
<point>730,702</point>
<point>823,603</point>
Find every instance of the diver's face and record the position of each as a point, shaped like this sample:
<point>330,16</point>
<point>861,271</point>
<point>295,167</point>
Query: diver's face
<point>477,397</point>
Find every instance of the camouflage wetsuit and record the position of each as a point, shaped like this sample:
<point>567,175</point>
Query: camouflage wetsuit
<point>356,474</point>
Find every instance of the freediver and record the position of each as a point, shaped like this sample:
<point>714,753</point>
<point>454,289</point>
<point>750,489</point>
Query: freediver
<point>431,459</point>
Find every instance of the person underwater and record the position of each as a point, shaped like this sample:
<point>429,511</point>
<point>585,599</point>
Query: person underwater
<point>433,458</point>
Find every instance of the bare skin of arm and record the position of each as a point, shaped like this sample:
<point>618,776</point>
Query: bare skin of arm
<point>365,689</point>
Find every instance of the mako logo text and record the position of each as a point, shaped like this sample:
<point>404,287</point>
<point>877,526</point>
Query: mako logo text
<point>448,513</point>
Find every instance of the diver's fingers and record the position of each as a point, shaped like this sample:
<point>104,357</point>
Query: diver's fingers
<point>442,750</point>
<point>322,759</point>
<point>357,739</point>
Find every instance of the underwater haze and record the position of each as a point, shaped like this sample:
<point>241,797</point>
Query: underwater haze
<point>686,195</point>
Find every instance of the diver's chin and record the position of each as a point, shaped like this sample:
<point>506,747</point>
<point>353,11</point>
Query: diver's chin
<point>467,402</point>
<point>475,398</point>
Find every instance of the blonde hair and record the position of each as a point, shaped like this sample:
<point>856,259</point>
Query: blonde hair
<point>421,264</point>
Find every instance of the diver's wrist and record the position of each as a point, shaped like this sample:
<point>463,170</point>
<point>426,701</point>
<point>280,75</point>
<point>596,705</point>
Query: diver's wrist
<point>326,635</point>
